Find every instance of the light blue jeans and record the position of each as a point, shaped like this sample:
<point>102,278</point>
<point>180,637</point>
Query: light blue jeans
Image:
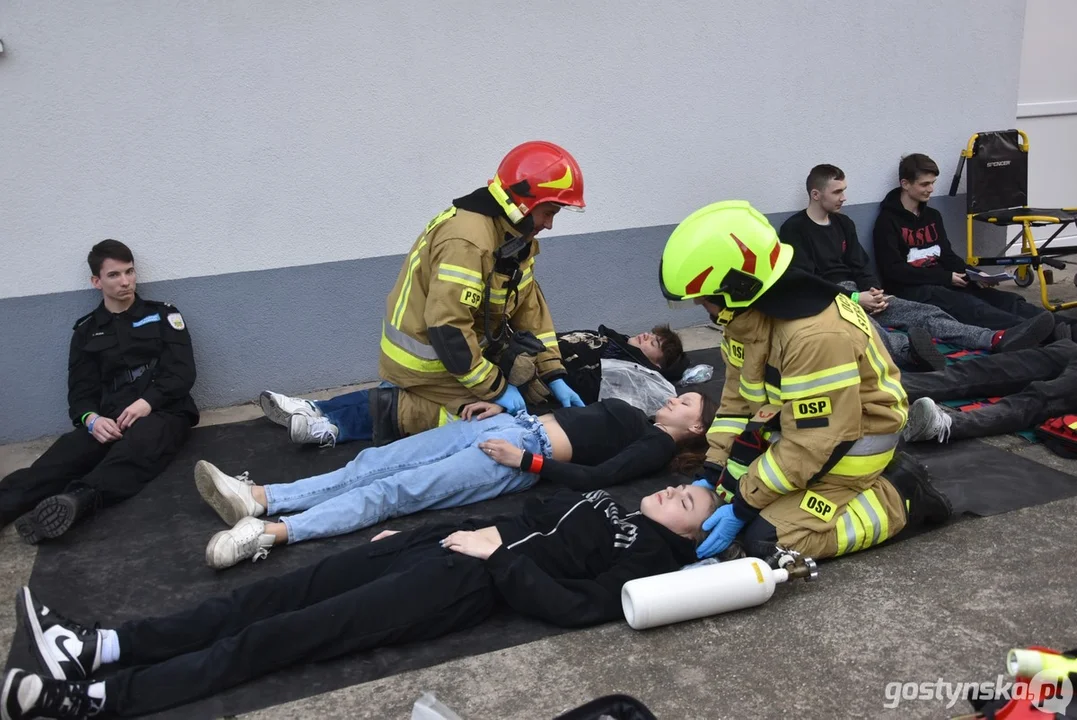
<point>436,469</point>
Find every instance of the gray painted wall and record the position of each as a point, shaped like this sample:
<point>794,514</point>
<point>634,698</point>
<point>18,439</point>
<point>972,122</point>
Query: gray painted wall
<point>316,326</point>
<point>220,137</point>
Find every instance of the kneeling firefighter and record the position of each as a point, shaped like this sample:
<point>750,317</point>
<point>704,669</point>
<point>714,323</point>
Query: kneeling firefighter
<point>466,319</point>
<point>804,445</point>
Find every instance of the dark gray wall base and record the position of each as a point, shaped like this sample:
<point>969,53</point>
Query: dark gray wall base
<point>305,328</point>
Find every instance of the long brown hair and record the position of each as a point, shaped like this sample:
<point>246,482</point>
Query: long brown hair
<point>692,451</point>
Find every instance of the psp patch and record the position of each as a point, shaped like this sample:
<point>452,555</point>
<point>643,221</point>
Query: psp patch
<point>176,321</point>
<point>812,412</point>
<point>470,297</point>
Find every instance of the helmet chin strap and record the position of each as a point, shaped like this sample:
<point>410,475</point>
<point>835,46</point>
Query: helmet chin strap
<point>724,317</point>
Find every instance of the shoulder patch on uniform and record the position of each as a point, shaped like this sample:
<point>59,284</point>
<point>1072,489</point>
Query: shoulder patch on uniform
<point>176,321</point>
<point>82,319</point>
<point>852,312</point>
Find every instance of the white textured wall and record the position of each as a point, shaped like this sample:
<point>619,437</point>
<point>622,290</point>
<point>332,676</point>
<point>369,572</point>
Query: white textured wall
<point>225,136</point>
<point>1047,107</point>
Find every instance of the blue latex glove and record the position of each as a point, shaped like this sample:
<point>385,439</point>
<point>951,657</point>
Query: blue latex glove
<point>564,394</point>
<point>723,527</point>
<point>511,400</point>
<point>704,483</point>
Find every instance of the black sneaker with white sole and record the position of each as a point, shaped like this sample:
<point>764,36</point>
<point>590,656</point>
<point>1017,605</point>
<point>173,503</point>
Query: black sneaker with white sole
<point>27,696</point>
<point>65,649</point>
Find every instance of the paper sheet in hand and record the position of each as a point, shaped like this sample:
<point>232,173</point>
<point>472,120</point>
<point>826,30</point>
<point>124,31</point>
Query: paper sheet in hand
<point>988,278</point>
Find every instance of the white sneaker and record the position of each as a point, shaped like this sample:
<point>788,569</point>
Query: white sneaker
<point>280,408</point>
<point>304,430</point>
<point>927,421</point>
<point>246,540</point>
<point>230,496</point>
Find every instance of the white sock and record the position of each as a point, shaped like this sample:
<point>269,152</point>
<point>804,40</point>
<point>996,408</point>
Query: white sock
<point>110,647</point>
<point>96,690</point>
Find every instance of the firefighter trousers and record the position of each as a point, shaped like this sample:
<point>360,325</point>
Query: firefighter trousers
<point>828,520</point>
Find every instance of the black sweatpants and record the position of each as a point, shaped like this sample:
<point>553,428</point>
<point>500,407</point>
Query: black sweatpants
<point>117,470</point>
<point>401,589</point>
<point>974,305</point>
<point>1035,385</point>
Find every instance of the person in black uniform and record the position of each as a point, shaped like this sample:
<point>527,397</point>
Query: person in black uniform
<point>130,373</point>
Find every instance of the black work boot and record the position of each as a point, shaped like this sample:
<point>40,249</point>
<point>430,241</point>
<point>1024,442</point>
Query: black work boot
<point>383,415</point>
<point>1028,334</point>
<point>55,515</point>
<point>924,504</point>
<point>922,351</point>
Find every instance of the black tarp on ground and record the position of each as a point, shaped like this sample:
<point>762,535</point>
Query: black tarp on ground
<point>146,556</point>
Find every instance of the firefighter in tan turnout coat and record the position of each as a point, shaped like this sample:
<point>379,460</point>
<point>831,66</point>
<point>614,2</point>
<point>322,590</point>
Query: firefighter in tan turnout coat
<point>466,319</point>
<point>804,445</point>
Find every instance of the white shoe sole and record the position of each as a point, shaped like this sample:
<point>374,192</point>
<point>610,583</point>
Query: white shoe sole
<point>5,694</point>
<point>272,411</point>
<point>230,508</point>
<point>25,605</point>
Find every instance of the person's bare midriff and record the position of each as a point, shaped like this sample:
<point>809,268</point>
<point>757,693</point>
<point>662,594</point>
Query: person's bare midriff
<point>562,448</point>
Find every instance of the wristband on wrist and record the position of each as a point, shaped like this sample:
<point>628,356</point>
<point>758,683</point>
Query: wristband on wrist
<point>86,415</point>
<point>531,463</point>
<point>856,297</point>
<point>89,428</point>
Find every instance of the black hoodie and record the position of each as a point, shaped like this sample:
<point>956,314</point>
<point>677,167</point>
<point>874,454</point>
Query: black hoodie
<point>912,249</point>
<point>565,558</point>
<point>582,352</point>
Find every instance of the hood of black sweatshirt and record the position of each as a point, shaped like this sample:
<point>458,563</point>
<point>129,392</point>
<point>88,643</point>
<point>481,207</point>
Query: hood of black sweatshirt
<point>891,205</point>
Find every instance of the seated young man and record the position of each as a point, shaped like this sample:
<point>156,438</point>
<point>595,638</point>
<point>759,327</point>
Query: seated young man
<point>347,417</point>
<point>916,261</point>
<point>1035,385</point>
<point>130,373</point>
<point>563,560</point>
<point>826,245</point>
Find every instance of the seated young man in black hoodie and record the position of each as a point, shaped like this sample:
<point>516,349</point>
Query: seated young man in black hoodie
<point>825,244</point>
<point>917,263</point>
<point>562,560</point>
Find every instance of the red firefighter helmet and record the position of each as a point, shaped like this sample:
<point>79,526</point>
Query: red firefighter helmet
<point>537,172</point>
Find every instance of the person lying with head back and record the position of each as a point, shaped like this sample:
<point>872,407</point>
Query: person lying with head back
<point>563,560</point>
<point>489,453</point>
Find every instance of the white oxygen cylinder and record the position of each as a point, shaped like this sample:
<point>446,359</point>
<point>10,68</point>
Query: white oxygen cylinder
<point>698,592</point>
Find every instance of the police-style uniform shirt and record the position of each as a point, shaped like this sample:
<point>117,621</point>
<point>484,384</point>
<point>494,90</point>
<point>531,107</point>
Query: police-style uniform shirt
<point>144,352</point>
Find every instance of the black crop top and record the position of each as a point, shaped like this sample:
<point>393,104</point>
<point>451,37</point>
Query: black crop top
<point>612,443</point>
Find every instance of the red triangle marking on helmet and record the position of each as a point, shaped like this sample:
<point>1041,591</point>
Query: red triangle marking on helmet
<point>774,254</point>
<point>697,282</point>
<point>748,265</point>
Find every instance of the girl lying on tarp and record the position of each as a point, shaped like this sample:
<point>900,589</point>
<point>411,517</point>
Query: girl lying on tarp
<point>562,560</point>
<point>487,454</point>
